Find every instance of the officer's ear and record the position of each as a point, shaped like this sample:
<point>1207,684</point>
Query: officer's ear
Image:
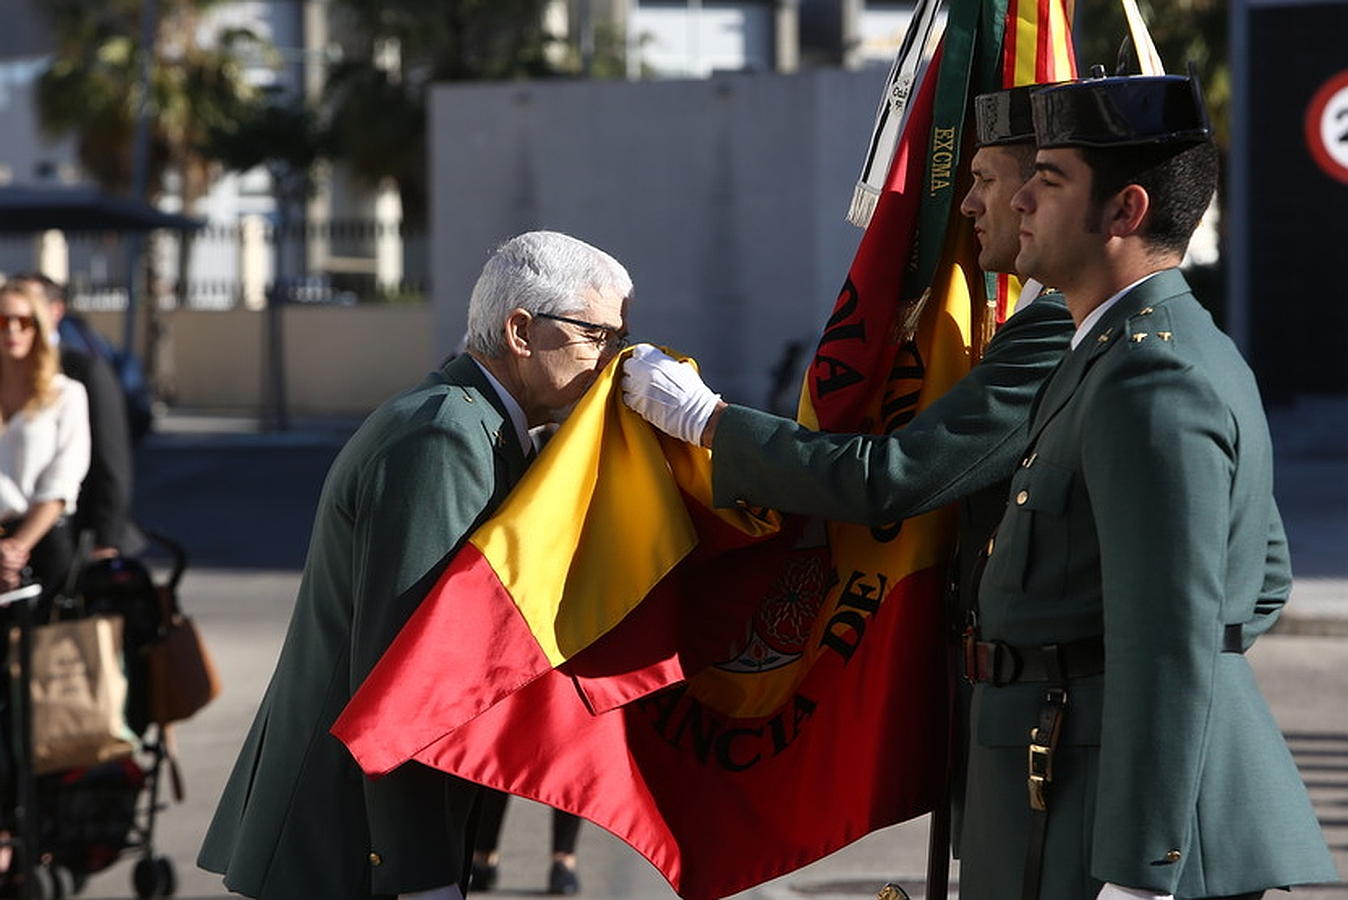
<point>517,332</point>
<point>1126,211</point>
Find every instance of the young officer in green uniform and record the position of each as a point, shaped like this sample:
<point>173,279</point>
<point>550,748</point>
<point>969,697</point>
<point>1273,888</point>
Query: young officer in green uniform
<point>297,818</point>
<point>1140,554</point>
<point>1129,574</point>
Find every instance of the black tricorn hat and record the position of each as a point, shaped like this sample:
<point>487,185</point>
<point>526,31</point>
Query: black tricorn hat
<point>1121,111</point>
<point>1004,117</point>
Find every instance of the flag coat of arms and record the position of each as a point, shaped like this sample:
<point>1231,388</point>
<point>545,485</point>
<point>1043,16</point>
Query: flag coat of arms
<point>733,693</point>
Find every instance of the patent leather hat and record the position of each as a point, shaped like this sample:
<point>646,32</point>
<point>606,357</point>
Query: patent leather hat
<point>1121,111</point>
<point>1004,117</point>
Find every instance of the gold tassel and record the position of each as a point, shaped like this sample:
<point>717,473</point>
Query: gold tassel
<point>984,329</point>
<point>911,316</point>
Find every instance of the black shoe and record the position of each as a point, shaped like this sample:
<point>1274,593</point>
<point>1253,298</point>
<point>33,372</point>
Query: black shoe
<point>562,880</point>
<point>482,877</point>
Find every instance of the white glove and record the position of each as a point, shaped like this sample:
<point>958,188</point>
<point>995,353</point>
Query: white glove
<point>1114,892</point>
<point>667,393</point>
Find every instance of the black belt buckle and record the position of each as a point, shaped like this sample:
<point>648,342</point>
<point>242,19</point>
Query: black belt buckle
<point>994,662</point>
<point>1004,663</point>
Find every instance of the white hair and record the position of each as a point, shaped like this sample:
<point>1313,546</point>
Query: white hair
<point>539,272</point>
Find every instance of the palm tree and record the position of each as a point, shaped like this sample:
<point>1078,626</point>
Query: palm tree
<point>378,98</point>
<point>1185,31</point>
<point>284,136</point>
<point>92,90</point>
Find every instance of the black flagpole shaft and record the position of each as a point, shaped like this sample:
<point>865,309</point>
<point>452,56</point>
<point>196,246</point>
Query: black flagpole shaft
<point>938,850</point>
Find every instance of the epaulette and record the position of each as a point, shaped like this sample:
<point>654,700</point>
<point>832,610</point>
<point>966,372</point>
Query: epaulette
<point>1149,325</point>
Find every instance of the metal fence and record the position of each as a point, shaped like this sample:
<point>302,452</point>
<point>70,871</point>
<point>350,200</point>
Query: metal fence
<point>240,264</point>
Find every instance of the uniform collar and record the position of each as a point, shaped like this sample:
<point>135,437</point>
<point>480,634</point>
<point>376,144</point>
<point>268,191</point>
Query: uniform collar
<point>512,408</point>
<point>1098,313</point>
<point>1137,299</point>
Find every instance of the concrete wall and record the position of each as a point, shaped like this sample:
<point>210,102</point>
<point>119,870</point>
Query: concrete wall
<point>724,197</point>
<point>338,360</point>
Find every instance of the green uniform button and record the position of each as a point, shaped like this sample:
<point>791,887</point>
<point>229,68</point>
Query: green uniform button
<point>375,859</point>
<point>1173,856</point>
<point>1022,497</point>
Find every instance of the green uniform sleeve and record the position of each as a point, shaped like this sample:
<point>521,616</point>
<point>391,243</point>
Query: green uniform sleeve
<point>419,498</point>
<point>968,439</point>
<point>1159,451</point>
<point>1277,586</point>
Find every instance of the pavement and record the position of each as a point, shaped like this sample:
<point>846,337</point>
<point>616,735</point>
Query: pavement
<point>241,498</point>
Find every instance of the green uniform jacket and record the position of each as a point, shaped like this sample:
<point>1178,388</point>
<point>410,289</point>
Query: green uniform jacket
<point>297,818</point>
<point>1143,511</point>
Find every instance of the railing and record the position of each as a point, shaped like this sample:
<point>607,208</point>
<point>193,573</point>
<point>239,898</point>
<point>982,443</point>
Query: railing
<point>227,266</point>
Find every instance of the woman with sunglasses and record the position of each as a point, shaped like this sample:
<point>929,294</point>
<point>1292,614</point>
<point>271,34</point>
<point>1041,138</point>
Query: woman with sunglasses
<point>44,443</point>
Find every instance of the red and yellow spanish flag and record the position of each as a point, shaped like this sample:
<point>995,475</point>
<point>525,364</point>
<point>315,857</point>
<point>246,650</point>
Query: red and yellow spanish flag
<point>1034,51</point>
<point>603,516</point>
<point>733,693</point>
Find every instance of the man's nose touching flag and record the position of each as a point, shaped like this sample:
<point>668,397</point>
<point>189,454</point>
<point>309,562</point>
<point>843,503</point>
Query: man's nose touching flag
<point>733,693</point>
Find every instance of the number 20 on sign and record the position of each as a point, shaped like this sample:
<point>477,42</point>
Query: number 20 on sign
<point>1327,127</point>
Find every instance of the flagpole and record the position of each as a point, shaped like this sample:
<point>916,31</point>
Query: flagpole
<point>938,849</point>
<point>938,835</point>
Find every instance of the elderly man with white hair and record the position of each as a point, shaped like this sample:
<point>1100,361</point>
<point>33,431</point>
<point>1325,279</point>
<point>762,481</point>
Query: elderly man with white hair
<point>297,817</point>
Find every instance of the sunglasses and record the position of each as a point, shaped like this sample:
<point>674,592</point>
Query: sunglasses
<point>25,323</point>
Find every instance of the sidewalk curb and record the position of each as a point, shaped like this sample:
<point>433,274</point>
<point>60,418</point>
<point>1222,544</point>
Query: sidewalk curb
<point>1311,626</point>
<point>247,440</point>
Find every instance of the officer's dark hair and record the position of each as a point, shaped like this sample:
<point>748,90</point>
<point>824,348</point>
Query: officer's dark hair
<point>1179,183</point>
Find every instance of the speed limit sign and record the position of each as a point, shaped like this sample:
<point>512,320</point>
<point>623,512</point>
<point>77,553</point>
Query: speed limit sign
<point>1327,127</point>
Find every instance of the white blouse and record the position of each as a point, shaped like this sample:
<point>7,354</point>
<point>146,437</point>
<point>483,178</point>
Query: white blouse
<point>44,454</point>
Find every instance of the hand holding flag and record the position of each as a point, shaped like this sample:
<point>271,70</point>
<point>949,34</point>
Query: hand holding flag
<point>667,393</point>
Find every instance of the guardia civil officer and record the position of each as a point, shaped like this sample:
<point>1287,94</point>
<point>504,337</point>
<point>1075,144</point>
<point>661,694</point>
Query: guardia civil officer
<point>1130,572</point>
<point>298,820</point>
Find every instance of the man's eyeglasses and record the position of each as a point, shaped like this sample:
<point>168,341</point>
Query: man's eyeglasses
<point>607,339</point>
<point>24,322</point>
